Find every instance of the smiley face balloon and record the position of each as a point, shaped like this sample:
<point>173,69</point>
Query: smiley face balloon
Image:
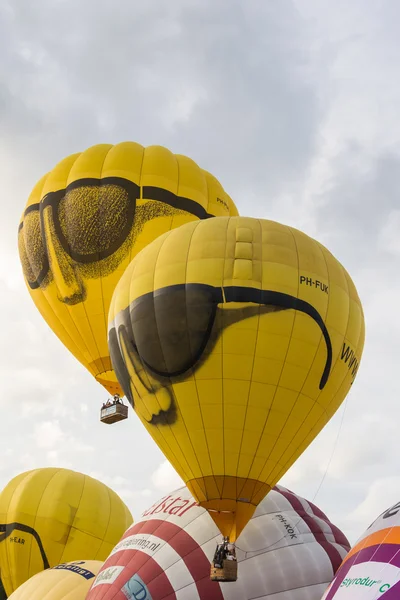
<point>235,340</point>
<point>84,222</point>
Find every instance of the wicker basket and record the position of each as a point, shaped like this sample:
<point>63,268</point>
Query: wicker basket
<point>227,573</point>
<point>112,414</point>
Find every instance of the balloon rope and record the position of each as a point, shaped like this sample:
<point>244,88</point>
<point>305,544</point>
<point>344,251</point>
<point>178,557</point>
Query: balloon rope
<point>333,450</point>
<point>246,552</point>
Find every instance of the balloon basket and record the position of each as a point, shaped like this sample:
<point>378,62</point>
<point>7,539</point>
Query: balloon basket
<point>114,413</point>
<point>228,572</point>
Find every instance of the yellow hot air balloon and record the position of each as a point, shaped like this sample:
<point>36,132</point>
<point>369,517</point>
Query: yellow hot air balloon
<point>48,516</point>
<point>84,222</point>
<point>235,340</point>
<point>68,581</point>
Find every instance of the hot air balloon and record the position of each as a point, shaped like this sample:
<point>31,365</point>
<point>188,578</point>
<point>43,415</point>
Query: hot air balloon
<point>68,581</point>
<point>289,550</point>
<point>235,340</point>
<point>371,569</point>
<point>49,516</point>
<point>86,219</point>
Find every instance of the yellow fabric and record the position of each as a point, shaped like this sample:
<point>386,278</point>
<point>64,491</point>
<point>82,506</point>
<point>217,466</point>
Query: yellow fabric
<point>79,210</point>
<point>55,515</point>
<point>68,581</point>
<point>234,422</point>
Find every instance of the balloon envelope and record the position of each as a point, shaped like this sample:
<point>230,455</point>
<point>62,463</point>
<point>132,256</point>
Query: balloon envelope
<point>371,569</point>
<point>87,218</point>
<point>49,516</point>
<point>235,340</point>
<point>288,551</point>
<point>68,581</point>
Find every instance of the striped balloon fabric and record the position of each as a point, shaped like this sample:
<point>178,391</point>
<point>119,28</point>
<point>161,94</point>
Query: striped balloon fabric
<point>288,551</point>
<point>371,570</point>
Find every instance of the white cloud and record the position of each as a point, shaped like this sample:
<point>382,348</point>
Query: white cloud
<point>165,478</point>
<point>48,434</point>
<point>294,107</point>
<point>382,494</point>
<point>389,239</point>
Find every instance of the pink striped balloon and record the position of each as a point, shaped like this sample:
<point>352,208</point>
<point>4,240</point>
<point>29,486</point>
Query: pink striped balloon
<point>288,551</point>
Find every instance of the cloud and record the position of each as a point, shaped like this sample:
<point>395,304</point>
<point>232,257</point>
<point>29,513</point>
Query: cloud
<point>131,495</point>
<point>48,434</point>
<point>165,478</point>
<point>389,234</point>
<point>382,494</point>
<point>294,107</point>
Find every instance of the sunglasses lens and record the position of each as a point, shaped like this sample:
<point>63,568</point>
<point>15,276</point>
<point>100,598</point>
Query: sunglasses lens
<point>31,248</point>
<point>171,328</point>
<point>95,220</point>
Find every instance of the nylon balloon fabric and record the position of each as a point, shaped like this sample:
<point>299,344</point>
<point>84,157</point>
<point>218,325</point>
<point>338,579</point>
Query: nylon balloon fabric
<point>289,551</point>
<point>235,340</point>
<point>67,581</point>
<point>371,570</point>
<point>84,222</point>
<point>49,516</point>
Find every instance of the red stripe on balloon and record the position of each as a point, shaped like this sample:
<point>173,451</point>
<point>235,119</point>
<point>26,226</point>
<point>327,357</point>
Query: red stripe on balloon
<point>339,536</point>
<point>151,573</point>
<point>318,512</point>
<point>134,562</point>
<point>189,550</point>
<point>332,552</point>
<point>156,580</point>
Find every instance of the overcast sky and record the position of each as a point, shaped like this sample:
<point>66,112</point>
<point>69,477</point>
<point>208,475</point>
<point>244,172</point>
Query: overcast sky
<point>294,106</point>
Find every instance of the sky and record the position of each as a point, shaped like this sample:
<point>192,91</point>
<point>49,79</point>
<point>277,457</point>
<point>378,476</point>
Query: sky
<point>294,107</point>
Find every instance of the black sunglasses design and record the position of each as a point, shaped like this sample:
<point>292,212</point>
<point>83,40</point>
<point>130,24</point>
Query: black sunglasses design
<point>169,329</point>
<point>92,218</point>
<point>6,529</point>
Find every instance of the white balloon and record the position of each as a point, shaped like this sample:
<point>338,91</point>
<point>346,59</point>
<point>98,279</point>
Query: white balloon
<point>288,551</point>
